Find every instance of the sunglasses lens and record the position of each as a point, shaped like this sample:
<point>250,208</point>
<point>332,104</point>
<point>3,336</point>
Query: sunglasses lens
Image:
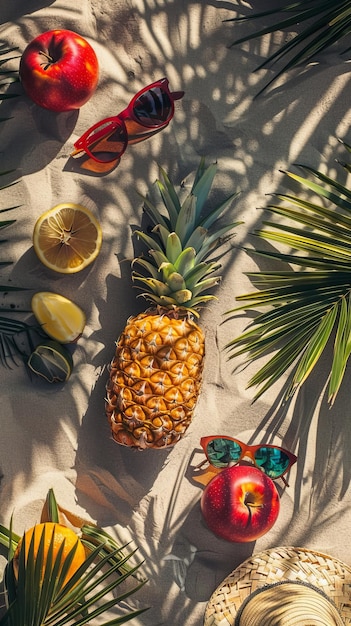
<point>272,461</point>
<point>107,142</point>
<point>153,108</point>
<point>222,452</point>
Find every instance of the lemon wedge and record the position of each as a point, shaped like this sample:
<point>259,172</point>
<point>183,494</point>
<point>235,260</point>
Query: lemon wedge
<point>67,238</point>
<point>60,318</point>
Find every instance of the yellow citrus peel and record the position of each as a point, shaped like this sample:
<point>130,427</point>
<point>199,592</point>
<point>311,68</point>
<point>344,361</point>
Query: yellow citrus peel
<point>67,238</point>
<point>59,317</point>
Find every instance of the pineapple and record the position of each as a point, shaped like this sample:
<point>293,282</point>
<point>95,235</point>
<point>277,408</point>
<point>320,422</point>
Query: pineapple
<point>155,375</point>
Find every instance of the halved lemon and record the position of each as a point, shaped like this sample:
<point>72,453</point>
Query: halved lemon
<point>67,238</point>
<point>60,318</point>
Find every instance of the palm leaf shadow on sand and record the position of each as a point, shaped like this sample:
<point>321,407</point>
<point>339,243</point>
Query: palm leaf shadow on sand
<point>313,27</point>
<point>215,120</point>
<point>325,378</point>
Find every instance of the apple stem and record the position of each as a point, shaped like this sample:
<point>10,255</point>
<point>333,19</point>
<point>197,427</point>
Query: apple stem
<point>49,60</point>
<point>250,503</point>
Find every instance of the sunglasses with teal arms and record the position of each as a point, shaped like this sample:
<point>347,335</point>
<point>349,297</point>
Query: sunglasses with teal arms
<point>223,452</point>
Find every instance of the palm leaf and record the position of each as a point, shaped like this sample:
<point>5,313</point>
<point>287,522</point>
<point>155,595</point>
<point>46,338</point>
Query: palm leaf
<point>5,52</point>
<point>38,594</point>
<point>11,331</point>
<point>325,23</point>
<point>302,310</point>
<point>342,346</point>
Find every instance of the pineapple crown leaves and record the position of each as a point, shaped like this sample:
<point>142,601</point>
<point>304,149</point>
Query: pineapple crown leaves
<point>327,23</point>
<point>181,239</point>
<point>38,594</point>
<point>302,310</point>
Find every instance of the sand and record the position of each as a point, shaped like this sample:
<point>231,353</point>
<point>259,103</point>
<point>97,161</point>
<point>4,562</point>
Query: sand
<point>58,436</point>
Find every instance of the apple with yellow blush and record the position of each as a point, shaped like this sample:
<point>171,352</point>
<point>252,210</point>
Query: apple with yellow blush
<point>59,70</point>
<point>240,504</point>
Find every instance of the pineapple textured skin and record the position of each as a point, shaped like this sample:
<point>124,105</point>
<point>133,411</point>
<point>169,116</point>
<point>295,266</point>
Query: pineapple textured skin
<point>155,376</point>
<point>155,379</point>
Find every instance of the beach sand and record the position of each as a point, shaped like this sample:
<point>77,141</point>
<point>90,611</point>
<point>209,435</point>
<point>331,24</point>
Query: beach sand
<point>58,436</point>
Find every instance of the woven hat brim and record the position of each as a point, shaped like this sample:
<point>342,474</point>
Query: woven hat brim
<point>331,575</point>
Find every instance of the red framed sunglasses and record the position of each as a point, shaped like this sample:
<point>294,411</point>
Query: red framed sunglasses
<point>222,451</point>
<point>152,108</point>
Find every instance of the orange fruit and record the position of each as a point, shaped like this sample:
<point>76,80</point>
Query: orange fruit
<point>67,238</point>
<point>60,533</point>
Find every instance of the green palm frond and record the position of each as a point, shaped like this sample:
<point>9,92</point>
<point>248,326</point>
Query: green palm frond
<point>306,309</point>
<point>11,331</point>
<point>7,76</point>
<point>325,22</point>
<point>39,594</point>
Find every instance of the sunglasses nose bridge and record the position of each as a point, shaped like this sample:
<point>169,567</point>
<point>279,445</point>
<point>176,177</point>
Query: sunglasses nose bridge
<point>248,454</point>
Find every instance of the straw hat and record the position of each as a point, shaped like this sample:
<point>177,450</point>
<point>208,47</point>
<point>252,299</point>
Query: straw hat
<point>283,587</point>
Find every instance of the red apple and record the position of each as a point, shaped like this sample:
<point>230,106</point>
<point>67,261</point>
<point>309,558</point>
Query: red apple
<point>240,504</point>
<point>59,70</point>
